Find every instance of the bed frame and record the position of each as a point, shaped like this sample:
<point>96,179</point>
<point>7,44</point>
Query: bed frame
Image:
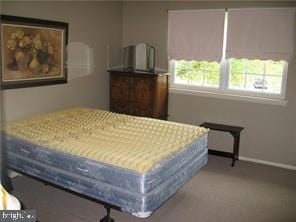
<point>107,206</point>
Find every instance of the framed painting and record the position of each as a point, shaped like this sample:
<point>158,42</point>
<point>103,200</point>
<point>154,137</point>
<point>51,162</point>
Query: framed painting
<point>33,52</point>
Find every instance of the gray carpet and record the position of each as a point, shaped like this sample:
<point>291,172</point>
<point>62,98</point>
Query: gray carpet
<point>247,192</point>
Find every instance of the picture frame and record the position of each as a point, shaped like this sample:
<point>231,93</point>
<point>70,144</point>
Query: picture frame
<point>33,52</point>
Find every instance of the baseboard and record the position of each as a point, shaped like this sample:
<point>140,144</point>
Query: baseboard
<point>285,166</point>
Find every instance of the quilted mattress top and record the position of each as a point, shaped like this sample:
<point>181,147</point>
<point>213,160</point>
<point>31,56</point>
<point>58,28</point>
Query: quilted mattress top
<point>135,143</point>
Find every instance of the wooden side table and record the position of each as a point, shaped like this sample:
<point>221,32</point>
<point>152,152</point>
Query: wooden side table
<point>234,131</point>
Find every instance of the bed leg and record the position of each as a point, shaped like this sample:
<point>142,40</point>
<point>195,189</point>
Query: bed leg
<point>107,218</point>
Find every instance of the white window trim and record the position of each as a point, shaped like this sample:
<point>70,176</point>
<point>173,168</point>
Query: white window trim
<point>223,92</point>
<point>236,97</point>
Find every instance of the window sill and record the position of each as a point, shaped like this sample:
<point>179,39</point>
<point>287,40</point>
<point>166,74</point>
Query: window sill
<point>219,95</point>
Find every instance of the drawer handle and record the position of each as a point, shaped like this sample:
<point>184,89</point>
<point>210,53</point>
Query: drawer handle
<point>25,151</point>
<point>83,170</point>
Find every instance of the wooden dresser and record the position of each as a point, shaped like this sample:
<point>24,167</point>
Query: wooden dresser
<point>138,93</point>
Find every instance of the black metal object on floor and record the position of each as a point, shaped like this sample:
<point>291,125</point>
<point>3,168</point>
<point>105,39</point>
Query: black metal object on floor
<point>234,131</point>
<point>107,218</point>
<point>107,206</point>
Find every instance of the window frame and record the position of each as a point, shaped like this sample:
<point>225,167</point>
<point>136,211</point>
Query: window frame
<point>223,87</point>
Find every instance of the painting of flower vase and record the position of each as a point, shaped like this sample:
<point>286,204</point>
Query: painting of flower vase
<point>33,52</point>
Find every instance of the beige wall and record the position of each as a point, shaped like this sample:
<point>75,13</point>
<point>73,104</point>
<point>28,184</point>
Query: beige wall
<point>96,24</point>
<point>270,130</point>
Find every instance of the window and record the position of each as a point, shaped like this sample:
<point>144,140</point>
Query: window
<point>263,78</point>
<point>257,75</point>
<point>246,56</point>
<point>205,74</point>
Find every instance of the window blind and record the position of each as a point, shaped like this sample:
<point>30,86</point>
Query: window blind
<point>261,33</point>
<point>196,35</point>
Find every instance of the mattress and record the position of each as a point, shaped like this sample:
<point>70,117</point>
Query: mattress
<point>136,189</point>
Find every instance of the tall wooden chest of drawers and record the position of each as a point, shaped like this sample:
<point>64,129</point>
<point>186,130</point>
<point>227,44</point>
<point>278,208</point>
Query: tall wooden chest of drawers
<point>138,93</point>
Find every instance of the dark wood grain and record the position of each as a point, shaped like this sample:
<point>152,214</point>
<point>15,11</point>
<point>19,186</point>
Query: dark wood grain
<point>139,94</point>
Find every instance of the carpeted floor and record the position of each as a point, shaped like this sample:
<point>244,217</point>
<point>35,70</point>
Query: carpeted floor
<point>247,192</point>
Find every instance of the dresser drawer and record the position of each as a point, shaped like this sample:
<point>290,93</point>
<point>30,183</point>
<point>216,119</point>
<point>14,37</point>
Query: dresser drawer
<point>142,90</point>
<point>120,80</point>
<point>141,109</point>
<point>120,106</point>
<point>120,92</point>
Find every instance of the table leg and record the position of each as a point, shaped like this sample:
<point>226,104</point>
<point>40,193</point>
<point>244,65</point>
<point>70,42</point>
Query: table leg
<point>236,144</point>
<point>236,137</point>
<point>233,161</point>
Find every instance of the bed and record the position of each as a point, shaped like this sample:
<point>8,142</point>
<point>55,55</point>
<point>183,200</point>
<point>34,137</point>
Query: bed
<point>133,163</point>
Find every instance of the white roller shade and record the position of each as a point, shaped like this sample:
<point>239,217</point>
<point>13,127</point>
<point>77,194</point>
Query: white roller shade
<point>196,35</point>
<point>261,33</point>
